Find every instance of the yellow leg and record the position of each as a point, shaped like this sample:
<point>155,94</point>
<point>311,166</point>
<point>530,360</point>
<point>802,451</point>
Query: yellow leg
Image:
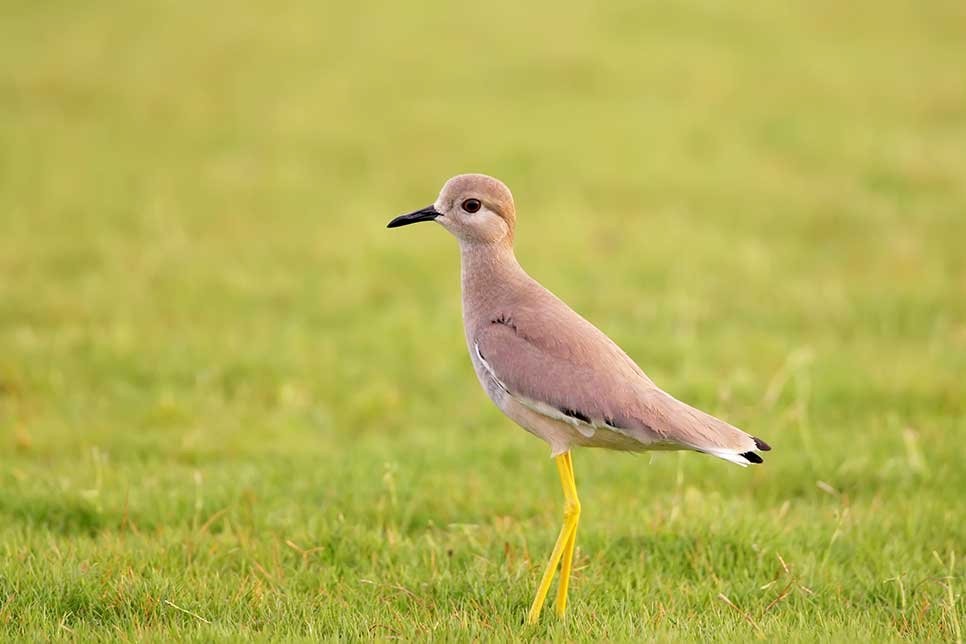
<point>564,541</point>
<point>566,564</point>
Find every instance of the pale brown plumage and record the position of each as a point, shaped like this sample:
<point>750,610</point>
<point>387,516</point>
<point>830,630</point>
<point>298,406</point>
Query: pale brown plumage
<point>545,366</point>
<point>552,371</point>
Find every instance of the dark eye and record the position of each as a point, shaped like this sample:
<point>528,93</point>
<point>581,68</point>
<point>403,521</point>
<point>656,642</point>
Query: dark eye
<point>472,205</point>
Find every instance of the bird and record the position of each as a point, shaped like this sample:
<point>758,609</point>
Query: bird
<point>550,370</point>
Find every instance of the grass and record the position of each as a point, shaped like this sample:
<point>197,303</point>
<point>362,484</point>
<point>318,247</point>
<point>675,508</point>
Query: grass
<point>233,406</point>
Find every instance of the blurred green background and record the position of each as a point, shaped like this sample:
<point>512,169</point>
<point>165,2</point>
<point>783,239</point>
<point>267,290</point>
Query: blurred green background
<point>233,405</point>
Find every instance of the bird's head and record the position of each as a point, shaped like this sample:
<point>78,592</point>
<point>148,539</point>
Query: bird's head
<point>475,208</point>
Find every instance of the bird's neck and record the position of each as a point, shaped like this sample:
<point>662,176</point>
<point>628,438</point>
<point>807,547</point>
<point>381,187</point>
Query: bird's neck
<point>489,273</point>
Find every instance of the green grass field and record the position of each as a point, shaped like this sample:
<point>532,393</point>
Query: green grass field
<point>233,405</point>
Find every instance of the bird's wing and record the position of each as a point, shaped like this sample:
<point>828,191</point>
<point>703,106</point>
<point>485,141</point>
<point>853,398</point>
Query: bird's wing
<point>598,386</point>
<point>550,379</point>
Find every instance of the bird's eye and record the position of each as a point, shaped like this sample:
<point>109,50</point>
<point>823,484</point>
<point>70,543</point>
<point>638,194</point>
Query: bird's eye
<point>472,205</point>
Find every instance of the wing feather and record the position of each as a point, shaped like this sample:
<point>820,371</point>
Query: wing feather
<point>592,383</point>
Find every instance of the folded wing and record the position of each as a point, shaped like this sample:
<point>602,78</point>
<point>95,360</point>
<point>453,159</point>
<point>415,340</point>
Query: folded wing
<point>592,384</point>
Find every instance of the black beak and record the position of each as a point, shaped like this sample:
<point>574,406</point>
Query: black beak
<point>424,214</point>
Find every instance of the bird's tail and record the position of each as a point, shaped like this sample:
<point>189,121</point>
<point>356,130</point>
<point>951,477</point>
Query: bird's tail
<point>702,432</point>
<point>744,459</point>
